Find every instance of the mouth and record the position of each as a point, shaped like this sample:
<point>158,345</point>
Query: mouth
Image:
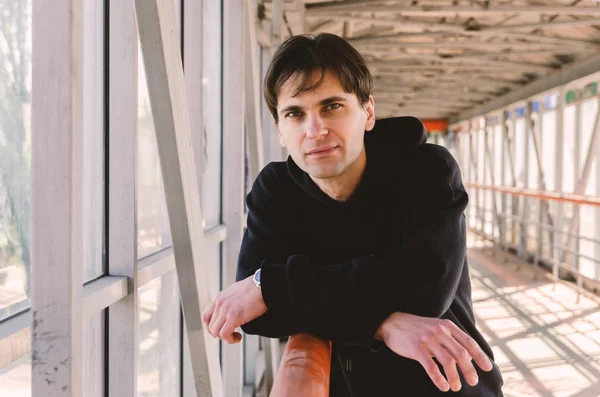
<point>322,151</point>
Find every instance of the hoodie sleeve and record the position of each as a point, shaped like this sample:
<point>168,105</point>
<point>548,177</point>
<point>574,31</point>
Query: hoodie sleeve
<point>420,276</point>
<point>267,240</point>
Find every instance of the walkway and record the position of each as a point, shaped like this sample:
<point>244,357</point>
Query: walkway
<point>545,343</point>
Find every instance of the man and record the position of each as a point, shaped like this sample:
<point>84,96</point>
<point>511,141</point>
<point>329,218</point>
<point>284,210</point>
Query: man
<point>358,238</point>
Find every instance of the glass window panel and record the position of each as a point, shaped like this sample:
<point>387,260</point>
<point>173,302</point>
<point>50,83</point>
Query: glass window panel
<point>153,220</point>
<point>159,363</point>
<point>568,165</point>
<point>211,100</point>
<point>520,174</point>
<point>466,156</point>
<point>587,228</point>
<point>480,148</point>
<point>497,145</point>
<point>509,154</point>
<point>588,214</point>
<point>588,118</point>
<point>15,156</point>
<point>93,138</point>
<point>532,162</point>
<point>520,152</point>
<point>471,149</point>
<point>15,379</point>
<point>549,149</point>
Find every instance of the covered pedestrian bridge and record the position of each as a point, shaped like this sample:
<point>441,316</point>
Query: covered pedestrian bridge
<point>131,131</point>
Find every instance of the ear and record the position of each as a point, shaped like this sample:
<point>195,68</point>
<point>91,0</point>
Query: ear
<point>370,109</point>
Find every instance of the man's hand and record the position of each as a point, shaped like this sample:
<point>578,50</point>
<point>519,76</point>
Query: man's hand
<point>233,307</point>
<point>421,338</point>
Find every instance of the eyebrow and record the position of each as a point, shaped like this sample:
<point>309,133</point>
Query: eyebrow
<point>323,102</point>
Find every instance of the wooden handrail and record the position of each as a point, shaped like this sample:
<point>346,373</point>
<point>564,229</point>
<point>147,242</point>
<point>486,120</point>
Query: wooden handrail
<point>538,194</point>
<point>305,368</point>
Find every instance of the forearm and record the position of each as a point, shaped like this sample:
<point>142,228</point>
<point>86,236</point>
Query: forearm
<point>358,331</point>
<point>419,278</point>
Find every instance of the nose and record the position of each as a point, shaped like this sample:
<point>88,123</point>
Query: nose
<point>315,128</point>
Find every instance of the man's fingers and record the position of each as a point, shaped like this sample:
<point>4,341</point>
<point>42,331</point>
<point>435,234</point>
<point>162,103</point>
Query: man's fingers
<point>226,332</point>
<point>216,324</point>
<point>480,358</point>
<point>462,357</point>
<point>236,337</point>
<point>207,315</point>
<point>434,372</point>
<point>445,358</point>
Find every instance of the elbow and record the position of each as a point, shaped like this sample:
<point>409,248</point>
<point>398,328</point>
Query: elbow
<point>436,308</point>
<point>431,302</point>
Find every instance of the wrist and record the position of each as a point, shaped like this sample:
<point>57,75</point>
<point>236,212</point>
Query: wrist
<point>382,331</point>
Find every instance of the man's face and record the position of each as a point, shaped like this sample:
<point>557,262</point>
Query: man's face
<point>323,129</point>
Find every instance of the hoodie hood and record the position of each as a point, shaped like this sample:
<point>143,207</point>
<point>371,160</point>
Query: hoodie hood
<point>389,140</point>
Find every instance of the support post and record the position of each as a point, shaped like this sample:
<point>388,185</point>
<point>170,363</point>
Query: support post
<point>57,212</point>
<point>122,214</point>
<point>233,174</point>
<point>164,71</point>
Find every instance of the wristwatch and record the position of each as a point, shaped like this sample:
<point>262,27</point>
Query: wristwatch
<point>256,278</point>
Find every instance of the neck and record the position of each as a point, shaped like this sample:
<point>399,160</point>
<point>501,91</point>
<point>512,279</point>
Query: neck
<point>341,187</point>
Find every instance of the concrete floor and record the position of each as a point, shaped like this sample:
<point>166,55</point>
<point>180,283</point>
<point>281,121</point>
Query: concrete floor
<point>546,343</point>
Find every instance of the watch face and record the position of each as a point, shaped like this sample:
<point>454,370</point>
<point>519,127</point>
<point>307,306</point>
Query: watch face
<point>257,276</point>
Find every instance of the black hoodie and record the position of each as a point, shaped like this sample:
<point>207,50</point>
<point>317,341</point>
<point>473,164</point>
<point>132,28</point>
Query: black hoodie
<point>339,269</point>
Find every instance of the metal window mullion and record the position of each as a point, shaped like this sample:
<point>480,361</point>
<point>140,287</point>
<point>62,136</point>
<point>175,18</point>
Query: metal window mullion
<point>474,166</point>
<point>193,25</point>
<point>57,205</point>
<point>252,97</point>
<point>490,164</point>
<point>503,178</point>
<point>543,206</point>
<point>122,327</point>
<point>557,253</point>
<point>597,210</point>
<point>166,86</point>
<point>232,209</point>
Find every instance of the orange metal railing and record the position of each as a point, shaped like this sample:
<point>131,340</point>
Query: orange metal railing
<point>304,368</point>
<point>538,194</point>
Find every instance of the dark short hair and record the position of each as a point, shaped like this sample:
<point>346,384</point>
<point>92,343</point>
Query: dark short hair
<point>305,55</point>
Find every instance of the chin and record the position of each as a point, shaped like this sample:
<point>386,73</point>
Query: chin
<point>324,172</point>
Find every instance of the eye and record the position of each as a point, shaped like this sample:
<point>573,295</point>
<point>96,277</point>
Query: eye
<point>333,106</point>
<point>293,114</point>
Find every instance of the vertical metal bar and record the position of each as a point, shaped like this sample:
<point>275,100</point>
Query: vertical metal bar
<point>192,65</point>
<point>503,176</point>
<point>473,165</point>
<point>301,7</point>
<point>252,97</point>
<point>192,20</point>
<point>580,188</point>
<point>526,204</point>
<point>558,183</point>
<point>122,324</point>
<point>275,151</point>
<point>277,23</point>
<point>162,60</point>
<point>597,210</point>
<point>233,172</point>
<point>542,205</point>
<point>490,163</point>
<point>57,207</point>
